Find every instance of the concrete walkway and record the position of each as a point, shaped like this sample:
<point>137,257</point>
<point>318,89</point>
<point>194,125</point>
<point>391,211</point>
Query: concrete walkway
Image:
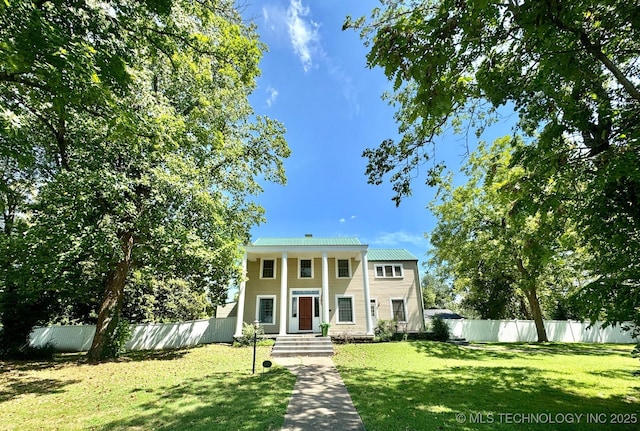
<point>320,400</point>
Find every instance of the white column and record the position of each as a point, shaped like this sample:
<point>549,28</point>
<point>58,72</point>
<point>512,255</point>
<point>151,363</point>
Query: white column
<point>283,295</point>
<point>367,294</point>
<point>325,287</point>
<point>240,305</point>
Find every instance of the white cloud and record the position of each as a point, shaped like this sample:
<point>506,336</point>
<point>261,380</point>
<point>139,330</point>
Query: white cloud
<point>273,95</point>
<point>303,33</point>
<point>349,90</point>
<point>294,24</point>
<point>342,220</point>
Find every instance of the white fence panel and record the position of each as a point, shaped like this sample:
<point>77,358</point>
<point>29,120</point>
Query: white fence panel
<point>510,331</point>
<point>154,336</point>
<point>76,338</point>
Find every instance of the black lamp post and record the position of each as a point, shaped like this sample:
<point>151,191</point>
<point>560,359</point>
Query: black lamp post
<point>256,325</point>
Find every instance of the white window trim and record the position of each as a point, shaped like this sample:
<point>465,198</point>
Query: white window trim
<point>300,270</point>
<point>275,309</point>
<point>404,304</point>
<point>350,270</point>
<point>393,266</point>
<point>275,269</point>
<point>353,311</point>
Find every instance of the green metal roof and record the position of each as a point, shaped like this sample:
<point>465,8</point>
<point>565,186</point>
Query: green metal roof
<point>377,254</point>
<point>310,241</point>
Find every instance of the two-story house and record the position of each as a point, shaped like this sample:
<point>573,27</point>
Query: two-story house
<point>294,284</point>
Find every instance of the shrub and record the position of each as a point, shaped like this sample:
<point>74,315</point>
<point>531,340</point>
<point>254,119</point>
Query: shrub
<point>247,335</point>
<point>122,334</point>
<point>44,352</point>
<point>440,329</point>
<point>385,330</point>
<point>30,353</point>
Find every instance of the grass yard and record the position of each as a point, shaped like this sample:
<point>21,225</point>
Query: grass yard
<point>205,388</point>
<point>433,386</point>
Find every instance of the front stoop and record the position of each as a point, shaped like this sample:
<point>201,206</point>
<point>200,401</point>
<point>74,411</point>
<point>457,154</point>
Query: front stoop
<point>302,345</point>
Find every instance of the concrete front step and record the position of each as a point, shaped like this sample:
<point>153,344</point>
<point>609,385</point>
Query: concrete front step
<point>291,345</point>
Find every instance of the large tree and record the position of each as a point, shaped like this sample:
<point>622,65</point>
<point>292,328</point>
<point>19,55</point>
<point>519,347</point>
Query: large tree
<point>146,149</point>
<point>569,69</point>
<point>496,247</point>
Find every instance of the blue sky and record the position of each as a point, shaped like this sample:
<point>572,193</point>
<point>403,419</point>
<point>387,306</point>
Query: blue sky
<point>315,81</point>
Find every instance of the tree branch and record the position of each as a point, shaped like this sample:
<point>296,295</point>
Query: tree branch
<point>597,52</point>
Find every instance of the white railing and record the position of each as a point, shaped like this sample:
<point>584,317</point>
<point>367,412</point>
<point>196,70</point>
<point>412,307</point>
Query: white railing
<point>510,331</point>
<point>152,336</point>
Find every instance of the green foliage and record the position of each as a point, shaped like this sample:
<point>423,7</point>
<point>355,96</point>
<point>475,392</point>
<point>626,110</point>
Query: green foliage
<point>116,344</point>
<point>570,72</point>
<point>440,329</point>
<point>500,248</point>
<point>248,334</point>
<point>38,353</point>
<point>385,330</point>
<point>436,291</point>
<point>130,155</point>
<point>172,300</point>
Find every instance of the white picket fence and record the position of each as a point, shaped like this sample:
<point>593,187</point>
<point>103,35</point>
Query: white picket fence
<point>511,331</point>
<point>152,336</point>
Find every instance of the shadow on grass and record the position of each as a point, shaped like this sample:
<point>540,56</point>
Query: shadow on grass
<point>216,401</point>
<point>58,361</point>
<point>451,398</point>
<point>489,351</point>
<point>156,355</point>
<point>14,387</point>
<point>474,352</point>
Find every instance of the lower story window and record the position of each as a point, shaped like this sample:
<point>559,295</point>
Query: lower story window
<point>265,309</point>
<point>345,309</point>
<point>398,309</point>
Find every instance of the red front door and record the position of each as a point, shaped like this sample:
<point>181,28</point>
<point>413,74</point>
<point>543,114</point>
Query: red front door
<point>305,322</point>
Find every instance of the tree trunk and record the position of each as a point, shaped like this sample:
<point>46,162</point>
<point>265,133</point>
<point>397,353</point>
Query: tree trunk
<point>536,312</point>
<point>112,302</point>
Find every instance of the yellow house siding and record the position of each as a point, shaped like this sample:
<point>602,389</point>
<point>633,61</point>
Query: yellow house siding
<point>406,287</point>
<point>262,286</point>
<point>353,287</point>
<point>293,276</point>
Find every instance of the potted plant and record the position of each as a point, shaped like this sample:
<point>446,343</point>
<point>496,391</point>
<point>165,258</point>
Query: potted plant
<point>324,326</point>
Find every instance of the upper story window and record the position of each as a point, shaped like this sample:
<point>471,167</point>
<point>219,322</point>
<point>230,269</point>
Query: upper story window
<point>268,268</point>
<point>343,268</point>
<point>305,268</point>
<point>393,270</point>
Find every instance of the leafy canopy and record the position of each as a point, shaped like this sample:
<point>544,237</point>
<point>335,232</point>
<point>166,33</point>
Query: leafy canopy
<point>132,153</point>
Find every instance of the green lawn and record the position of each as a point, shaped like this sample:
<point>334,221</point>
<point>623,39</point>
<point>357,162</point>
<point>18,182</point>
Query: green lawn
<point>205,388</point>
<point>434,386</point>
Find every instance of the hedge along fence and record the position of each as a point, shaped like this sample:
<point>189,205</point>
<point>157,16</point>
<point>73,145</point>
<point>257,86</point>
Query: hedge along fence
<point>511,331</point>
<point>152,336</point>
